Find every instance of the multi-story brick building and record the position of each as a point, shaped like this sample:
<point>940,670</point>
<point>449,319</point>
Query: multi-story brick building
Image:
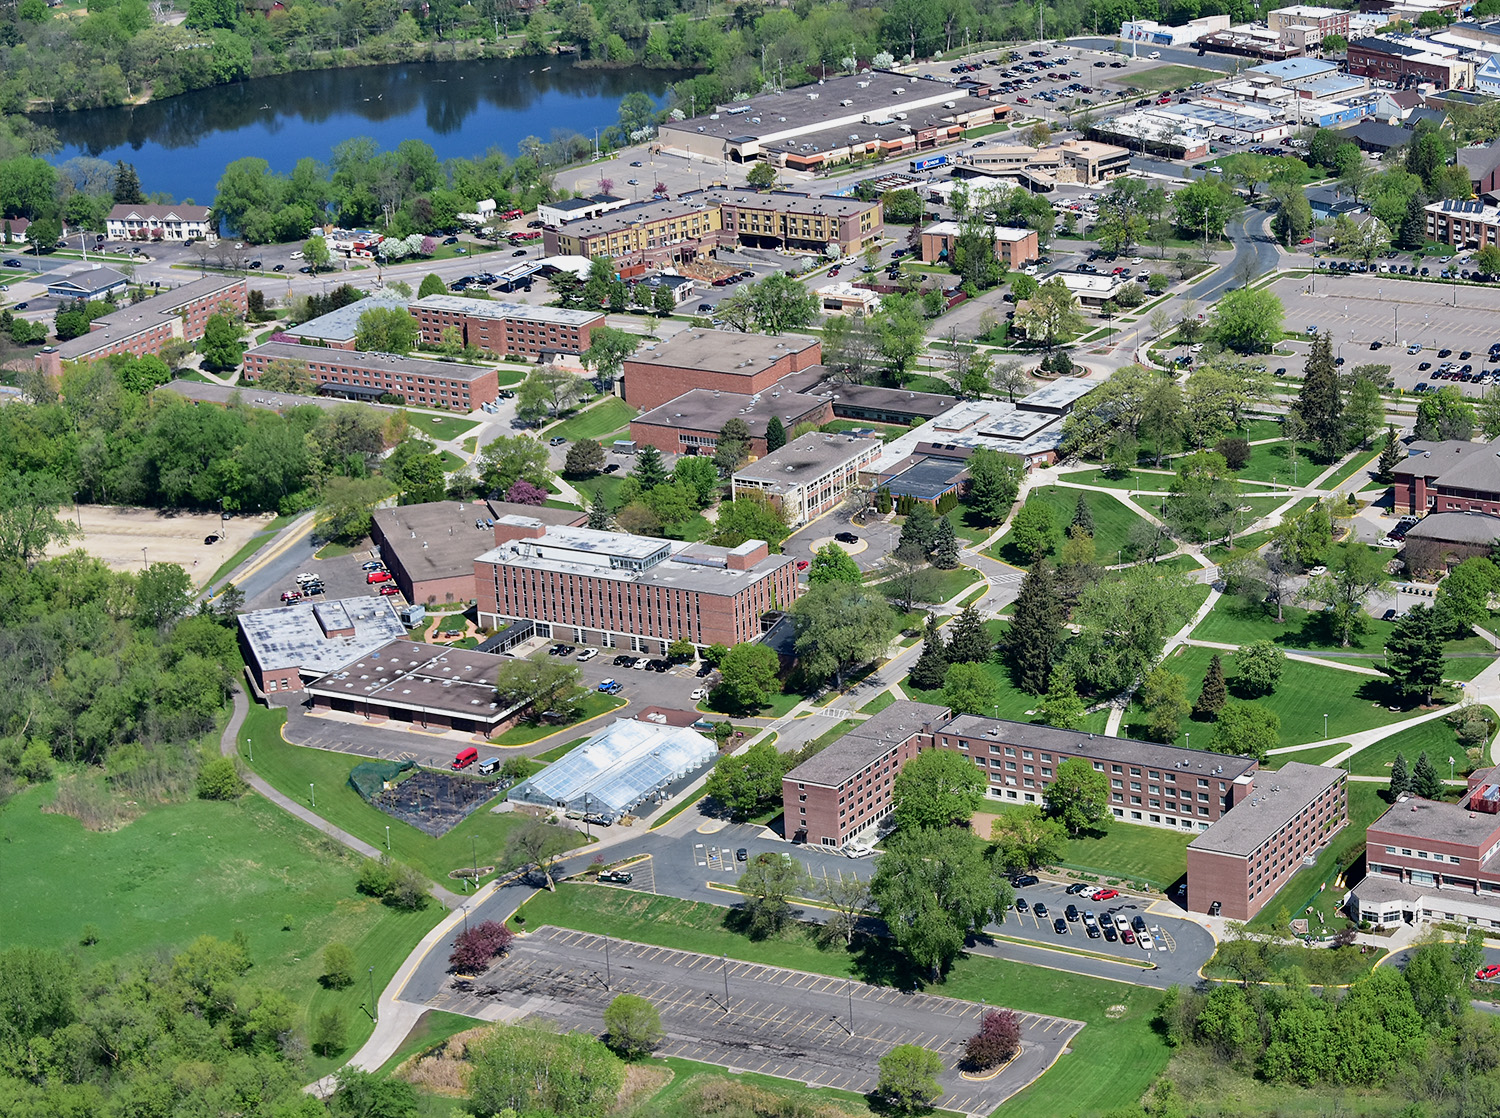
<point>1451,476</point>
<point>158,223</point>
<point>718,360</point>
<point>1015,248</point>
<point>809,475</point>
<point>368,376</point>
<point>143,328</point>
<point>1321,22</point>
<point>614,590</point>
<point>1283,820</point>
<point>1465,223</point>
<point>683,229</point>
<point>506,328</point>
<point>1398,59</point>
<point>690,423</point>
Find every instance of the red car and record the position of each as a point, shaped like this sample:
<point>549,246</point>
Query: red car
<point>1022,101</point>
<point>1305,241</point>
<point>291,595</point>
<point>1489,972</point>
<point>1106,894</point>
<point>1127,936</point>
<point>378,576</point>
<point>390,589</point>
<point>802,564</point>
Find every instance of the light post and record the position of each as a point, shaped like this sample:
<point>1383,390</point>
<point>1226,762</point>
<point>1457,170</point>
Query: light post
<point>250,748</point>
<point>474,860</point>
<point>725,957</point>
<point>851,1006</point>
<point>586,830</point>
<point>1450,767</point>
<point>387,838</point>
<point>144,561</point>
<point>374,1005</point>
<point>606,963</point>
<point>1325,726</point>
<point>312,794</point>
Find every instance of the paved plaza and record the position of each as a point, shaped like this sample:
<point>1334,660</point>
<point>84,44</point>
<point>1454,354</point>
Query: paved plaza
<point>752,1018</point>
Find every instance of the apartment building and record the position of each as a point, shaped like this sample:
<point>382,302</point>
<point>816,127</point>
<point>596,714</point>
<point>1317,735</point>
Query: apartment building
<point>158,223</point>
<point>811,222</point>
<point>1320,22</point>
<point>368,376</point>
<point>1015,248</point>
<point>143,328</point>
<point>1400,59</point>
<point>506,328</point>
<point>809,475</point>
<point>632,592</point>
<point>1465,224</point>
<point>1283,819</point>
<point>717,360</point>
<point>661,231</point>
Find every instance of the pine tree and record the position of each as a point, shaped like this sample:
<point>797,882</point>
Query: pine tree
<point>1424,779</point>
<point>648,468</point>
<point>944,545</point>
<point>919,530</point>
<point>1034,635</point>
<point>1412,232</point>
<point>127,185</point>
<point>969,643</point>
<point>927,673</point>
<point>1320,402</point>
<point>1083,517</point>
<point>1061,707</point>
<point>1390,457</point>
<point>1215,691</point>
<point>775,434</point>
<point>1414,653</point>
<point>599,514</point>
<point>1400,777</point>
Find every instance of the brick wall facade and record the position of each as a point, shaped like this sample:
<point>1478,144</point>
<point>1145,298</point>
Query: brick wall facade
<point>830,815</point>
<point>686,440</point>
<point>332,366</point>
<point>649,385</point>
<point>522,336</point>
<point>123,331</point>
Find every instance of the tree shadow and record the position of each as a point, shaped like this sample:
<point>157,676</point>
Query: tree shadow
<point>877,961</point>
<point>1385,693</point>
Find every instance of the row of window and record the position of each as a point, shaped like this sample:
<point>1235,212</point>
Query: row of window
<point>1406,851</point>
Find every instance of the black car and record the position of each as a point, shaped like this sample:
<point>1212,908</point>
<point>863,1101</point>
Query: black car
<point>1465,355</point>
<point>618,877</point>
<point>450,240</point>
<point>1072,913</point>
<point>1076,888</point>
<point>519,252</point>
<point>704,669</point>
<point>846,537</point>
<point>1040,910</point>
<point>1445,353</point>
<point>1060,926</point>
<point>705,308</point>
<point>12,262</point>
<point>742,855</point>
<point>1092,929</point>
<point>1110,934</point>
<point>621,661</point>
<point>1424,366</point>
<point>1021,905</point>
<point>1022,880</point>
<point>1374,345</point>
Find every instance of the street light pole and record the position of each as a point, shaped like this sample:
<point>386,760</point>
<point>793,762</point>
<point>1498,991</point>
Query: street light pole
<point>312,794</point>
<point>387,838</point>
<point>725,957</point>
<point>250,748</point>
<point>374,1005</point>
<point>606,963</point>
<point>1325,726</point>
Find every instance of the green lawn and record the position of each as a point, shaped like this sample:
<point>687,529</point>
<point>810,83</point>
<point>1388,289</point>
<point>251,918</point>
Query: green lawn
<point>685,1094</point>
<point>590,706</point>
<point>1435,738</point>
<point>609,414</point>
<point>1126,852</point>
<point>878,703</point>
<point>1234,620</point>
<point>947,585</point>
<point>440,426</point>
<point>201,868</point>
<point>558,751</point>
<point>967,526</point>
<point>1180,563</point>
<point>1273,462</point>
<point>1135,481</point>
<point>1110,1064</point>
<point>1306,692</point>
<point>1311,756</point>
<point>291,768</point>
<point>1112,522</point>
<point>1361,464</point>
<point>780,704</point>
<point>1170,77</point>
<point>608,484</point>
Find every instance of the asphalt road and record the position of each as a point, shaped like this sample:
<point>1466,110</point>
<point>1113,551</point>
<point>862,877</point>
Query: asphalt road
<point>1255,254</point>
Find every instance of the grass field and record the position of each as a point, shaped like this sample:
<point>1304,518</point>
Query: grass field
<point>947,585</point>
<point>440,427</point>
<point>1358,466</point>
<point>608,484</point>
<point>1170,77</point>
<point>290,768</point>
<point>1306,692</point>
<point>1109,1065</point>
<point>1136,480</point>
<point>609,414</point>
<point>1315,756</point>
<point>199,868</point>
<point>887,431</point>
<point>1234,620</point>
<point>1435,738</point>
<point>558,750</point>
<point>878,703</point>
<point>591,705</point>
<point>681,1097</point>
<point>1125,852</point>
<point>1273,462</point>
<point>1112,522</point>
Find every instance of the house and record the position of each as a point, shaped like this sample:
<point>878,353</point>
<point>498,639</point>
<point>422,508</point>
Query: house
<point>87,282</point>
<point>1483,164</point>
<point>158,223</point>
<point>1373,136</point>
<point>13,230</point>
<point>1015,248</point>
<point>1331,201</point>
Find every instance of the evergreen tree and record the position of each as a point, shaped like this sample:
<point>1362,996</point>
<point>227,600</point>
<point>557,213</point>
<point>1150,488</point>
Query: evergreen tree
<point>1033,637</point>
<point>944,545</point>
<point>648,468</point>
<point>1425,781</point>
<point>1391,456</point>
<point>1414,653</point>
<point>127,185</point>
<point>599,514</point>
<point>1215,691</point>
<point>1412,233</point>
<point>1061,706</point>
<point>1083,517</point>
<point>920,529</point>
<point>1400,777</point>
<point>927,673</point>
<point>775,434</point>
<point>969,644</point>
<point>1320,403</point>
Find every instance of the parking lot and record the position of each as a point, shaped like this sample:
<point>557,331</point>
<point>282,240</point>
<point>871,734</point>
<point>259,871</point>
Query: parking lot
<point>826,1032</point>
<point>1397,313</point>
<point>640,686</point>
<point>343,577</point>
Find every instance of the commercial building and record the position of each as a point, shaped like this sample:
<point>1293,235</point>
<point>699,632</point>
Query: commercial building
<point>1451,476</point>
<point>1464,224</point>
<point>635,592</point>
<point>624,765</point>
<point>430,548</point>
<point>1403,58</point>
<point>847,298</point>
<point>85,281</point>
<point>158,223</point>
<point>1281,821</point>
<point>1151,33</point>
<point>1015,248</point>
<point>1071,161</point>
<point>690,423</point>
<point>576,209</point>
<point>1153,131</point>
<point>1090,291</point>
<point>1033,434</point>
<point>429,686</point>
<point>143,328</point>
<point>927,477</point>
<point>809,475</point>
<point>290,645</point>
<point>718,360</point>
<point>368,376</point>
<point>506,328</point>
<point>1320,22</point>
<point>683,229</point>
<point>1291,73</point>
<point>1483,162</point>
<point>338,329</point>
<point>881,106</point>
<point>871,402</point>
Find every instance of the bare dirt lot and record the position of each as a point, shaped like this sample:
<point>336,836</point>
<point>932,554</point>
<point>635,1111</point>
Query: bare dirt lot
<point>127,538</point>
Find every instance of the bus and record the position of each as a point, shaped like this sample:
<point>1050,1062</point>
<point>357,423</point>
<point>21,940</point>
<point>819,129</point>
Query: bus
<point>928,162</point>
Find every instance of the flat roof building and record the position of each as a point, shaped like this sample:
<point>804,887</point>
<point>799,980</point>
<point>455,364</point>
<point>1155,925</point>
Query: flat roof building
<point>505,328</point>
<point>338,328</point>
<point>633,592</point>
<point>433,687</point>
<point>690,423</point>
<point>1015,248</point>
<point>1464,223</point>
<point>809,475</point>
<point>289,645</point>
<point>357,375</point>
<point>716,360</point>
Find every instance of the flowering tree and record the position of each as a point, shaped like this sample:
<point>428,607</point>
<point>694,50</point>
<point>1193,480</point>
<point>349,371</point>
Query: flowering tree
<point>429,246</point>
<point>996,1041</point>
<point>473,950</point>
<point>524,493</point>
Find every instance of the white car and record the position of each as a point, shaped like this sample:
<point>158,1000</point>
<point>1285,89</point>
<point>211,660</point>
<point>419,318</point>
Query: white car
<point>700,693</point>
<point>639,665</point>
<point>305,577</point>
<point>1138,260</point>
<point>587,654</point>
<point>1144,940</point>
<point>296,256</point>
<point>1318,570</point>
<point>1386,541</point>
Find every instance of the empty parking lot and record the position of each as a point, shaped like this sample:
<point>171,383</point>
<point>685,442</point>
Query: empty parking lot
<point>772,1020</point>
